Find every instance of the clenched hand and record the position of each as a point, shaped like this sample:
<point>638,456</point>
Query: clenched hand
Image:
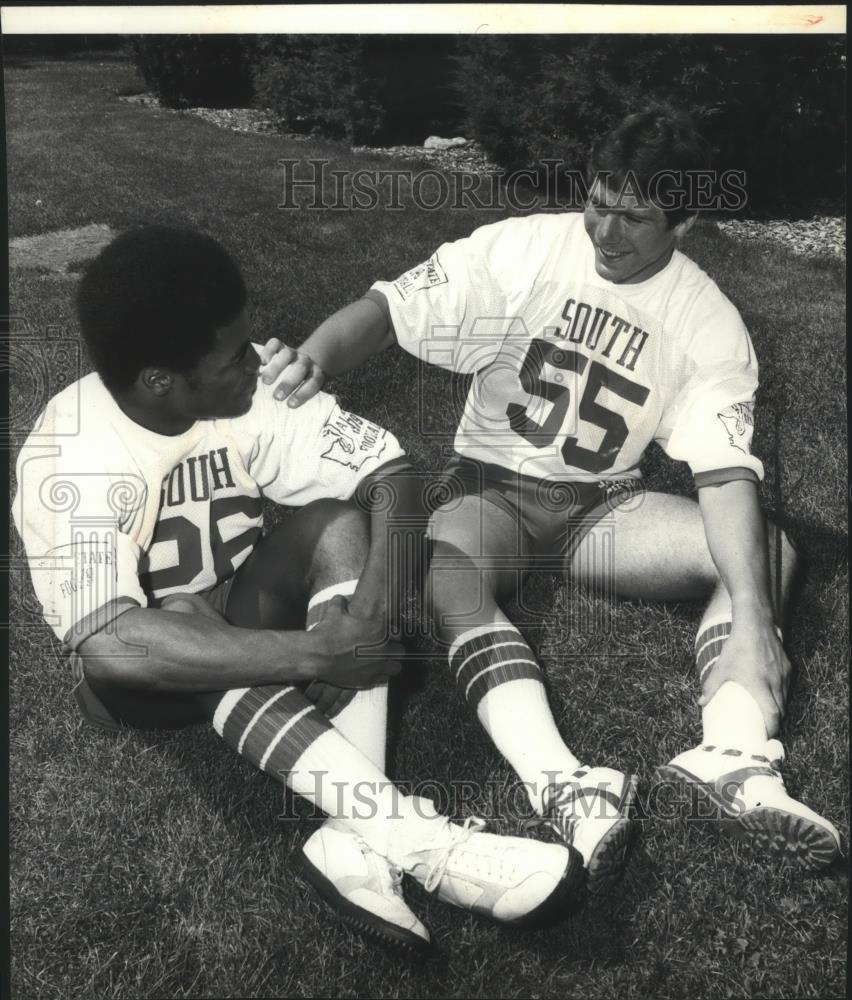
<point>352,652</point>
<point>754,657</point>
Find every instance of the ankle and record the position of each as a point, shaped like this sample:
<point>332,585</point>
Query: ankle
<point>732,719</point>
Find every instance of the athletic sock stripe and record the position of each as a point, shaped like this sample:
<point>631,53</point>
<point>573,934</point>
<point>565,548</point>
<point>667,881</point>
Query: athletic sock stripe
<point>309,728</point>
<point>699,650</point>
<point>225,707</point>
<point>272,722</point>
<point>501,673</point>
<point>281,734</point>
<point>267,704</point>
<point>502,656</point>
<point>474,670</point>
<point>470,679</point>
<point>718,631</point>
<point>478,632</point>
<point>483,641</point>
<point>702,673</point>
<point>292,741</point>
<point>710,652</point>
<point>243,712</point>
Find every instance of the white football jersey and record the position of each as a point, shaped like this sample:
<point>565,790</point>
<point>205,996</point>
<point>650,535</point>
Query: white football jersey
<point>574,375</point>
<point>113,515</point>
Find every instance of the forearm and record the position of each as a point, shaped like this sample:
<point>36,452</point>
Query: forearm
<point>350,336</point>
<point>736,535</point>
<point>156,650</point>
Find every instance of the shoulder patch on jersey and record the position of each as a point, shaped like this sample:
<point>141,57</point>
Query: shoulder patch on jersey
<point>738,421</point>
<point>423,276</point>
<point>352,440</point>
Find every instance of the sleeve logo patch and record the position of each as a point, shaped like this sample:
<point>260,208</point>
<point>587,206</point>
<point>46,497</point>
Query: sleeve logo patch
<point>738,421</point>
<point>352,440</point>
<point>424,276</point>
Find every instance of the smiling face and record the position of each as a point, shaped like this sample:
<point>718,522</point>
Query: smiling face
<point>223,382</point>
<point>631,238</point>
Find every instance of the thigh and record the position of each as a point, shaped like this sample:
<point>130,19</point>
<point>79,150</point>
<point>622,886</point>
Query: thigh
<point>323,543</point>
<point>651,547</point>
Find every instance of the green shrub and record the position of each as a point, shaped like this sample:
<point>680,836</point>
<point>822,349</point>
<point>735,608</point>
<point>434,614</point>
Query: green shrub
<point>317,85</point>
<point>195,70</point>
<point>382,89</point>
<point>773,106</point>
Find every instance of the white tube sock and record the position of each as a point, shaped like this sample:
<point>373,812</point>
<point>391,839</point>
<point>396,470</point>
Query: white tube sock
<point>732,719</point>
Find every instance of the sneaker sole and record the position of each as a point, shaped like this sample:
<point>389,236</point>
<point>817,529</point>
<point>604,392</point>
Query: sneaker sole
<point>607,861</point>
<point>792,839</point>
<point>361,920</point>
<point>567,889</point>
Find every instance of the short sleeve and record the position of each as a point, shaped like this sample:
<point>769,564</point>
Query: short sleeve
<point>84,568</point>
<point>455,309</point>
<point>316,451</point>
<point>709,422</point>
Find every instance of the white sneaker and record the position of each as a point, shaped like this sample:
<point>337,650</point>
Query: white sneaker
<point>509,879</point>
<point>747,792</point>
<point>364,888</point>
<point>591,811</point>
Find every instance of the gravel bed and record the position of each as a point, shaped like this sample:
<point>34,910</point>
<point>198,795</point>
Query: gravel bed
<point>822,235</point>
<point>469,158</point>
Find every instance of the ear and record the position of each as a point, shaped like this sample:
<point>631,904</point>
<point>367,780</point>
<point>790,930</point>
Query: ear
<point>683,227</point>
<point>157,381</point>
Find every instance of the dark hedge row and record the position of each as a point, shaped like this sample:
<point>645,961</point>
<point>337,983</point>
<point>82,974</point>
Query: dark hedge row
<point>195,70</point>
<point>358,88</point>
<point>773,106</point>
<point>364,89</point>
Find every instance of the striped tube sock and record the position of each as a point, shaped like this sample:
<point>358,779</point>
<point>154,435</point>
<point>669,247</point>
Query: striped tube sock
<point>279,731</point>
<point>364,720</point>
<point>732,719</point>
<point>708,645</point>
<point>497,673</point>
<point>271,727</point>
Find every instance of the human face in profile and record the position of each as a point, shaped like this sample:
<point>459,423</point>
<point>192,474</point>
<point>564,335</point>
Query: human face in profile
<point>631,238</point>
<point>223,382</point>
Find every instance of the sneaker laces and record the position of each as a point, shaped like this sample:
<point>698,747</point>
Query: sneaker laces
<point>393,872</point>
<point>555,816</point>
<point>773,756</point>
<point>456,836</point>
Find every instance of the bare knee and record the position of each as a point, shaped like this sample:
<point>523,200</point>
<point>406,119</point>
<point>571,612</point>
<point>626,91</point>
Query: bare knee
<point>188,604</point>
<point>460,591</point>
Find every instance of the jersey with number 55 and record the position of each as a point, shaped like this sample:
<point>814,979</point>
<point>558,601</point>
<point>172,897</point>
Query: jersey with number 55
<point>574,375</point>
<point>114,515</point>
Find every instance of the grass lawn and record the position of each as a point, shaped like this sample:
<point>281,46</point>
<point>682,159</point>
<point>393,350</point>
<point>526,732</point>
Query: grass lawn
<point>160,866</point>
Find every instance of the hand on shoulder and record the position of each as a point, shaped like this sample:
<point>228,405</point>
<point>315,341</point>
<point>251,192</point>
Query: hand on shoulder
<point>296,376</point>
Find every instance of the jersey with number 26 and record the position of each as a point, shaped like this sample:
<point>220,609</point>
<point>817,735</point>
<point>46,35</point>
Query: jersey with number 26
<point>113,515</point>
<point>574,375</point>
